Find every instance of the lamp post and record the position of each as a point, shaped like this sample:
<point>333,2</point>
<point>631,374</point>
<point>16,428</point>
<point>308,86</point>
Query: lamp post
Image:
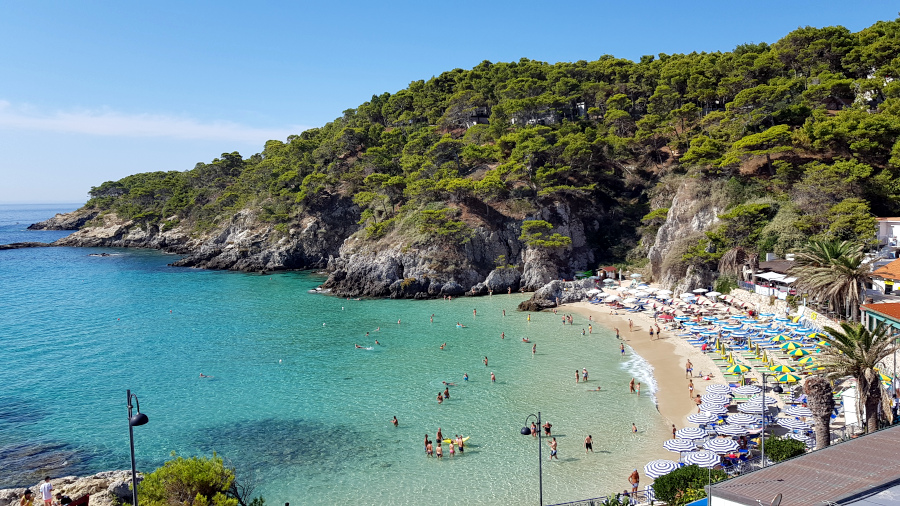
<point>526,431</point>
<point>134,421</point>
<point>762,440</point>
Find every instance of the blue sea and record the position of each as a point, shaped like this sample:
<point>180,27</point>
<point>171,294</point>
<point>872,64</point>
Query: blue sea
<point>291,403</point>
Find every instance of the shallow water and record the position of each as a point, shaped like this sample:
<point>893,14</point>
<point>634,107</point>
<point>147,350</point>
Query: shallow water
<point>292,403</point>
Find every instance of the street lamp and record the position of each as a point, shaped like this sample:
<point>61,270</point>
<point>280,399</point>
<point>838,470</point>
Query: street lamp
<point>134,421</point>
<point>762,440</point>
<point>526,431</point>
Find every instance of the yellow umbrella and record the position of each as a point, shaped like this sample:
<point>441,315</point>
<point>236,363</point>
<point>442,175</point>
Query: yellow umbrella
<point>779,338</point>
<point>823,343</point>
<point>799,352</point>
<point>787,378</point>
<point>807,360</point>
<point>814,367</point>
<point>737,369</point>
<point>782,368</point>
<point>791,346</point>
<point>884,378</point>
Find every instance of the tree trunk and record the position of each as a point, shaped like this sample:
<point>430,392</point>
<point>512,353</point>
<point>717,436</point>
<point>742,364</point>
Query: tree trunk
<point>823,431</point>
<point>870,396</point>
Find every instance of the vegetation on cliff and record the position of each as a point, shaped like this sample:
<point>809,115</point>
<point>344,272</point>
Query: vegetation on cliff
<point>798,139</point>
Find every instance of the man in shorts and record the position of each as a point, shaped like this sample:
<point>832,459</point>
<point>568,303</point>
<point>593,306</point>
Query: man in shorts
<point>553,450</point>
<point>588,444</point>
<point>688,369</point>
<point>47,492</point>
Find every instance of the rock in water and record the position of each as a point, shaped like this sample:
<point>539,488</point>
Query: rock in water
<point>557,292</point>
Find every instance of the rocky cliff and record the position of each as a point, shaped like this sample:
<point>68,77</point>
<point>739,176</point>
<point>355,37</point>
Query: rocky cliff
<point>108,488</point>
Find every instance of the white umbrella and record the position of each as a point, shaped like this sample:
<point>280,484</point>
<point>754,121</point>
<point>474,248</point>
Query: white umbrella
<point>593,291</point>
<point>717,399</point>
<point>630,300</point>
<point>665,292</point>
<point>717,409</point>
<point>609,281</point>
<point>792,423</point>
<point>747,390</point>
<point>612,299</point>
<point>718,389</point>
<point>798,411</point>
<point>742,419</point>
<point>635,276</point>
<point>687,295</point>
<point>705,459</point>
<point>660,467</point>
<point>713,294</point>
<point>754,408</point>
<point>802,437</point>
<point>758,399</point>
<point>679,445</point>
<point>702,417</point>
<point>691,433</point>
<point>731,430</point>
<point>699,291</point>
<point>721,445</point>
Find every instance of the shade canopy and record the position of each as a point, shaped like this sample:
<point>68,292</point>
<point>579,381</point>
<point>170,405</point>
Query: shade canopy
<point>659,468</point>
<point>679,445</point>
<point>721,445</point>
<point>716,399</point>
<point>792,423</point>
<point>702,417</point>
<point>705,459</point>
<point>742,419</point>
<point>716,409</point>
<point>718,389</point>
<point>747,390</point>
<point>731,430</point>
<point>690,433</point>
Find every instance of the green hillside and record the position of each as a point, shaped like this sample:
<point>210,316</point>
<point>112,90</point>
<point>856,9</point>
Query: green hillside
<point>797,139</point>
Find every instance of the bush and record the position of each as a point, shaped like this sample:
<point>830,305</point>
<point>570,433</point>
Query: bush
<point>197,481</point>
<point>783,449</point>
<point>676,487</point>
<point>725,284</point>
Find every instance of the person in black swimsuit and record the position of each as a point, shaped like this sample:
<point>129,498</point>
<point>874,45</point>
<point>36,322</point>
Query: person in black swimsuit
<point>588,444</point>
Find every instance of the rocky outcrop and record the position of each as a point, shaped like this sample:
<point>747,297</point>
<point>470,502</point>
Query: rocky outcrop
<point>20,245</point>
<point>557,292</point>
<point>694,210</point>
<point>69,221</point>
<point>108,488</point>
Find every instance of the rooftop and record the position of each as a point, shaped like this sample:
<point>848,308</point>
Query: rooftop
<point>779,266</point>
<point>889,271</point>
<point>840,474</point>
<point>889,309</point>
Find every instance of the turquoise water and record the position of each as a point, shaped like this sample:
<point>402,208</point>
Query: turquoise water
<point>292,403</point>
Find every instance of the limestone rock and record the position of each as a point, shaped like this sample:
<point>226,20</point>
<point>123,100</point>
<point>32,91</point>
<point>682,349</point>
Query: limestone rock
<point>107,488</point>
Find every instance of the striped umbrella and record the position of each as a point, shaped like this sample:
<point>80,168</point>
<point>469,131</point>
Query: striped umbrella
<point>702,417</point>
<point>705,459</point>
<point>737,369</point>
<point>691,433</point>
<point>679,445</point>
<point>747,390</point>
<point>798,411</point>
<point>717,399</point>
<point>815,368</point>
<point>799,352</point>
<point>754,408</point>
<point>742,419</point>
<point>787,378</point>
<point>782,368</point>
<point>792,423</point>
<point>802,437</point>
<point>718,389</point>
<point>807,360</point>
<point>884,378</point>
<point>739,317</point>
<point>731,430</point>
<point>660,467</point>
<point>823,343</point>
<point>716,409</point>
<point>721,445</point>
<point>758,399</point>
<point>789,346</point>
<point>779,338</point>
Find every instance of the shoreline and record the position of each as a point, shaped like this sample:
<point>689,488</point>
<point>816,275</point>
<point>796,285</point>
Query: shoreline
<point>666,355</point>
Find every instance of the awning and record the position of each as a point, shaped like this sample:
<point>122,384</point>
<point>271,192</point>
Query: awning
<point>771,276</point>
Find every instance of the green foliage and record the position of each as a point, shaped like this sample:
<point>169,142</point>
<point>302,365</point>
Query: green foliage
<point>725,283</point>
<point>778,449</point>
<point>679,486</point>
<point>197,481</point>
<point>439,225</point>
<point>533,235</point>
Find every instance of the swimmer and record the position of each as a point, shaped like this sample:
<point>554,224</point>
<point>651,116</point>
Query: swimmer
<point>450,384</point>
<point>203,375</point>
<point>525,340</point>
<point>633,428</point>
<point>398,322</point>
<point>504,312</point>
<point>503,335</point>
<point>358,346</point>
<point>594,389</point>
<point>442,346</point>
<point>394,421</point>
<point>533,349</point>
<point>376,342</point>
<point>465,377</point>
<point>485,361</point>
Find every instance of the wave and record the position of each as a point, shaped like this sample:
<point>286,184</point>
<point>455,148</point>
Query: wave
<point>641,371</point>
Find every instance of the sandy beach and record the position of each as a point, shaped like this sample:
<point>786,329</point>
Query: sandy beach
<point>667,354</point>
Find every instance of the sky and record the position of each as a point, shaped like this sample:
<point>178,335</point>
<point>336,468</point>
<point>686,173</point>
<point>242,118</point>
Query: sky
<point>95,91</point>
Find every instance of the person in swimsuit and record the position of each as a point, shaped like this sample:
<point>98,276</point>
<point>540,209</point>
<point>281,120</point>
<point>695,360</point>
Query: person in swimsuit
<point>631,386</point>
<point>394,421</point>
<point>553,450</point>
<point>547,427</point>
<point>485,361</point>
<point>460,444</point>
<point>440,398</point>
<point>577,376</point>
<point>635,480</point>
<point>465,377</point>
<point>690,388</point>
<point>446,392</point>
<point>588,444</point>
<point>27,498</point>
<point>493,378</point>
<point>622,349</point>
<point>429,450</point>
<point>634,428</point>
<point>451,449</point>
<point>688,369</point>
<point>533,349</point>
<point>534,430</point>
<point>440,435</point>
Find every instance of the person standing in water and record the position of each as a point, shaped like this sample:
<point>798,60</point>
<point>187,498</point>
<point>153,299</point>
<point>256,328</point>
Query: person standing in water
<point>493,378</point>
<point>447,392</point>
<point>588,444</point>
<point>622,349</point>
<point>465,376</point>
<point>394,421</point>
<point>553,450</point>
<point>577,376</point>
<point>631,386</point>
<point>485,361</point>
<point>533,349</point>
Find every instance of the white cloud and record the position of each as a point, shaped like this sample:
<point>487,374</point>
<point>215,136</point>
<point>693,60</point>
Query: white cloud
<point>116,124</point>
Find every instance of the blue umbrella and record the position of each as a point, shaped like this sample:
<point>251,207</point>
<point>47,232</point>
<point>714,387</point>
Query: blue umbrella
<point>792,423</point>
<point>742,419</point>
<point>798,411</point>
<point>702,417</point>
<point>705,459</point>
<point>722,445</point>
<point>716,409</point>
<point>660,467</point>
<point>747,390</point>
<point>682,318</point>
<point>718,389</point>
<point>717,399</point>
<point>679,445</point>
<point>691,433</point>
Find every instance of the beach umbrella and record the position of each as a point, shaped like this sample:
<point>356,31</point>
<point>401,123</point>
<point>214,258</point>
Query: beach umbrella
<point>721,445</point>
<point>787,378</point>
<point>760,398</point>
<point>731,327</point>
<point>713,294</point>
<point>704,459</point>
<point>782,319</point>
<point>766,315</point>
<point>737,369</point>
<point>884,378</point>
<point>823,343</point>
<point>691,433</point>
<point>717,409</point>
<point>690,324</point>
<point>659,468</point>
<point>792,423</point>
<point>799,352</point>
<point>815,368</point>
<point>612,299</point>
<point>667,292</point>
<point>807,360</point>
<point>702,417</point>
<point>738,317</point>
<point>718,389</point>
<point>782,368</point>
<point>635,276</point>
<point>682,318</point>
<point>609,281</point>
<point>593,291</point>
<point>716,398</point>
<point>747,390</point>
<point>665,317</point>
<point>779,338</point>
<point>789,346</point>
<point>731,430</point>
<point>630,300</point>
<point>687,295</point>
<point>679,445</point>
<point>742,419</point>
<point>798,411</point>
<point>792,325</point>
<point>699,291</point>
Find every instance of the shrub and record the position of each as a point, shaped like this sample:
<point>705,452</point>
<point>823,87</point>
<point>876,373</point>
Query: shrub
<point>676,487</point>
<point>783,449</point>
<point>197,481</point>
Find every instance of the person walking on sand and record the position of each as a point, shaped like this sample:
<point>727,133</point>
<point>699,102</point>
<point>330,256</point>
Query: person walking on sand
<point>631,386</point>
<point>630,325</point>
<point>588,444</point>
<point>698,401</point>
<point>690,388</point>
<point>688,369</point>
<point>673,431</point>
<point>553,450</point>
<point>651,332</point>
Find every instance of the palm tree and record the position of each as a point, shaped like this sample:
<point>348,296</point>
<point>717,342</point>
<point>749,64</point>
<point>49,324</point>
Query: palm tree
<point>820,401</point>
<point>856,351</point>
<point>833,271</point>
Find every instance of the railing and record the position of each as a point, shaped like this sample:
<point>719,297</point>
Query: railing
<point>640,497</point>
